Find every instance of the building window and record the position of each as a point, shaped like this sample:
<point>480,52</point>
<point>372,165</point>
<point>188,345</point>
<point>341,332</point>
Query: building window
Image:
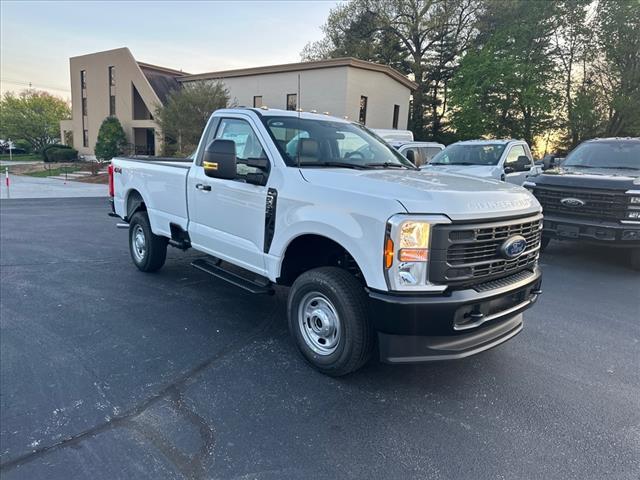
<point>140,110</point>
<point>85,138</point>
<point>83,79</point>
<point>112,105</point>
<point>68,138</point>
<point>292,101</point>
<point>257,101</point>
<point>396,114</point>
<point>84,106</point>
<point>112,76</point>
<point>362,118</point>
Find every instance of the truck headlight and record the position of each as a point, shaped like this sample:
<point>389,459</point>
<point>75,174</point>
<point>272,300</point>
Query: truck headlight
<point>406,251</point>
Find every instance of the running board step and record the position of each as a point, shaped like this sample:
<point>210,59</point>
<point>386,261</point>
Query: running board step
<point>256,287</point>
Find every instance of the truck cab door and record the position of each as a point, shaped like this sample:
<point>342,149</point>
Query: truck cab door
<point>227,217</point>
<point>515,169</point>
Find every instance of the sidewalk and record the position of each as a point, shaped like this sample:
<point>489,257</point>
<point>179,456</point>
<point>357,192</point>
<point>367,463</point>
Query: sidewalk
<point>33,187</point>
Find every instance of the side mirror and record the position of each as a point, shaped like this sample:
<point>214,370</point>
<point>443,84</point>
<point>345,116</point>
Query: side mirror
<point>219,159</point>
<point>411,156</point>
<point>523,163</point>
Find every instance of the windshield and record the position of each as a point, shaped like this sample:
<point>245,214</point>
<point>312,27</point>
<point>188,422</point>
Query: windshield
<point>326,143</point>
<point>618,154</point>
<point>457,154</point>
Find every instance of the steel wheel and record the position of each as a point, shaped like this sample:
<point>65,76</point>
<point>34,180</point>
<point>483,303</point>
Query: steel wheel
<point>139,242</point>
<point>319,323</point>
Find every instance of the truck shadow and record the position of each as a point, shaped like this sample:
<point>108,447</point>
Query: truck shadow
<point>592,257</point>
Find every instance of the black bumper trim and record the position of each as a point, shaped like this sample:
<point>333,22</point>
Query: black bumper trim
<point>454,296</point>
<point>415,349</point>
<point>450,325</point>
<point>593,231</point>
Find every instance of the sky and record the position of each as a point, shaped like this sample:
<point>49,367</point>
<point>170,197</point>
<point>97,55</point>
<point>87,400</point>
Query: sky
<point>38,37</point>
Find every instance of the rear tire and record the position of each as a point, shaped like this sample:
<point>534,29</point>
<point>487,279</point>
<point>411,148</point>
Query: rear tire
<point>544,243</point>
<point>148,251</point>
<point>634,257</point>
<point>327,310</point>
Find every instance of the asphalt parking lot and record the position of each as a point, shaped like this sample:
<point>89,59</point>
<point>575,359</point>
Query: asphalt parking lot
<point>106,373</point>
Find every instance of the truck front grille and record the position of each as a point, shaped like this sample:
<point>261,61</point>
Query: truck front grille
<point>597,203</point>
<point>470,254</point>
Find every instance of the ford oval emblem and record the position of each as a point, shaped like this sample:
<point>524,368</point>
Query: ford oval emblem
<point>572,202</point>
<point>513,247</point>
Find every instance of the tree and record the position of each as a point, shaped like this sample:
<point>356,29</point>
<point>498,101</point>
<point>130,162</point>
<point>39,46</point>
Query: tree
<point>505,86</point>
<point>617,70</point>
<point>573,44</point>
<point>185,113</point>
<point>111,139</point>
<point>421,38</point>
<point>32,116</point>
<point>353,32</point>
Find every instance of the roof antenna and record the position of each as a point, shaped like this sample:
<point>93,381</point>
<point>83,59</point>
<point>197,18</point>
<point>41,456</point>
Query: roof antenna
<point>298,129</point>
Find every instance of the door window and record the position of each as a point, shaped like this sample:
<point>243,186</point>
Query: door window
<point>512,158</point>
<point>428,153</point>
<point>246,140</point>
<point>415,155</point>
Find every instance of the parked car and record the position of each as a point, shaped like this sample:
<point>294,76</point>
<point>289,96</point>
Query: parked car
<point>421,264</point>
<point>506,160</point>
<point>420,153</point>
<point>393,135</point>
<point>594,196</point>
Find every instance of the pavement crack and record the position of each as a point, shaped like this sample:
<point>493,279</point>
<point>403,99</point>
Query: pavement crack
<point>172,393</point>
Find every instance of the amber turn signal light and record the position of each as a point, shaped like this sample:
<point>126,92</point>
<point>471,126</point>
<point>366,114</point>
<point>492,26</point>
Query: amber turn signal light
<point>388,253</point>
<point>413,255</point>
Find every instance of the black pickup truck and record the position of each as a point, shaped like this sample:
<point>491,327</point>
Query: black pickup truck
<point>594,196</point>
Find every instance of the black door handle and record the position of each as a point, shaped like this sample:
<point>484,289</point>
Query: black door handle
<point>202,186</point>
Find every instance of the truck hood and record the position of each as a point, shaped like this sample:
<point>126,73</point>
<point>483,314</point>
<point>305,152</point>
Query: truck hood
<point>600,178</point>
<point>482,171</point>
<point>458,196</point>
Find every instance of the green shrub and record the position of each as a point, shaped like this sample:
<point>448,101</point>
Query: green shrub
<point>111,139</point>
<point>45,150</point>
<point>23,144</point>
<point>62,154</point>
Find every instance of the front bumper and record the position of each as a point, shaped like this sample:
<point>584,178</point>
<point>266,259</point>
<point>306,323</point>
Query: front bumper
<point>605,232</point>
<point>453,325</point>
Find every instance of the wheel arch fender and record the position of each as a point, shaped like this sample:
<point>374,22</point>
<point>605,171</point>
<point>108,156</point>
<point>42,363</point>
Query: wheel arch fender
<point>134,202</point>
<point>350,240</point>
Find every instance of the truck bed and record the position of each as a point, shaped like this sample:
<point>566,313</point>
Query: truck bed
<point>162,182</point>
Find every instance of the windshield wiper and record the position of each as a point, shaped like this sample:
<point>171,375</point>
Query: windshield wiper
<point>457,163</point>
<point>389,165</point>
<point>623,168</point>
<point>333,164</point>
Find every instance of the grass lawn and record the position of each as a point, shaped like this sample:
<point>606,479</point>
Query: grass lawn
<point>21,157</point>
<point>56,171</point>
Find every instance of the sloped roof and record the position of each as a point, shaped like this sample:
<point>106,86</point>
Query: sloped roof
<point>292,67</point>
<point>162,80</point>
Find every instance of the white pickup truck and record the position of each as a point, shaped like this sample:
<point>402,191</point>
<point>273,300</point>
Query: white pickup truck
<point>506,160</point>
<point>420,265</point>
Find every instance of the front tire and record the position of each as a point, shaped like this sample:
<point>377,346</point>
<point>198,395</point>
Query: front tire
<point>327,310</point>
<point>634,258</point>
<point>148,251</point>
